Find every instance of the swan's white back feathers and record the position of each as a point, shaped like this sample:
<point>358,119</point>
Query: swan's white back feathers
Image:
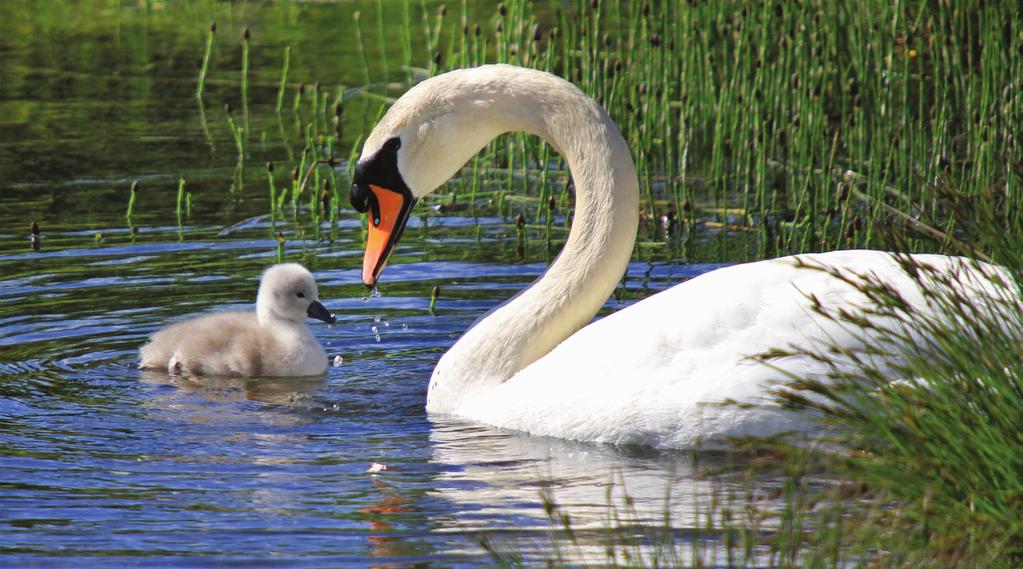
<point>656,372</point>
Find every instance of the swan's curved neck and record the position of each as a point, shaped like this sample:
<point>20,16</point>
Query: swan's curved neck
<point>567,296</point>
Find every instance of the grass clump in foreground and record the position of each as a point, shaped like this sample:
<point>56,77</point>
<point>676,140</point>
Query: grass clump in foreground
<point>923,461</point>
<point>941,444</point>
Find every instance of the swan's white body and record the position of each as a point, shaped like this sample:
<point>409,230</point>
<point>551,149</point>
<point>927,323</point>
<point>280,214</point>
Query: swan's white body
<point>652,373</point>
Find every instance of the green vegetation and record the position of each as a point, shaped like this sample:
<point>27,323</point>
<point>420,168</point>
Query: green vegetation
<point>180,200</point>
<point>132,196</point>
<point>942,446</point>
<point>796,126</point>
<point>201,84</point>
<point>284,79</point>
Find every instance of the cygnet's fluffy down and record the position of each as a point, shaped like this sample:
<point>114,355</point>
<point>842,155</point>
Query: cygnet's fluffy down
<point>272,341</point>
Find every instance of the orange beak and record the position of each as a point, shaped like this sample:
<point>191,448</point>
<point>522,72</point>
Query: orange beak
<point>388,215</point>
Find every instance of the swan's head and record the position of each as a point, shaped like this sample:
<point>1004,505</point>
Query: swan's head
<point>288,292</point>
<point>425,138</point>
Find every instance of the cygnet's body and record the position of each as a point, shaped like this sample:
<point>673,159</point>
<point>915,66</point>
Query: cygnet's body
<point>272,341</point>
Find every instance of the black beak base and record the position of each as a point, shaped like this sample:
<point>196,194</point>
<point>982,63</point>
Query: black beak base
<point>320,312</point>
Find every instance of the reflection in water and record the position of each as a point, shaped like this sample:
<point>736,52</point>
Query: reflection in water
<point>297,391</point>
<point>494,479</point>
<point>388,503</point>
<point>298,394</point>
<point>502,473</point>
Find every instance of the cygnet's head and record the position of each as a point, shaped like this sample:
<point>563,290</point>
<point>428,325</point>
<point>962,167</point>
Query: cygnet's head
<point>288,292</point>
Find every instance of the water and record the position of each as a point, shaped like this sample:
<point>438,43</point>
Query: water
<point>100,460</point>
<point>101,464</point>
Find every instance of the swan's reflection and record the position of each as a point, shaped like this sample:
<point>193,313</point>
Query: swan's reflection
<point>493,480</point>
<point>494,475</point>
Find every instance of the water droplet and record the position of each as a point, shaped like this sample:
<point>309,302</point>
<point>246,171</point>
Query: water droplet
<point>377,338</point>
<point>338,360</point>
<point>376,319</point>
<point>404,326</point>
<point>387,324</point>
<point>375,329</point>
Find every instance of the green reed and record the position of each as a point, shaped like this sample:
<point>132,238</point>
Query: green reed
<point>179,202</point>
<point>280,246</point>
<point>434,295</point>
<point>338,120</point>
<point>129,214</point>
<point>246,36</point>
<point>282,86</point>
<point>940,447</point>
<point>382,29</point>
<point>204,68</point>
<point>274,206</point>
<point>357,20</point>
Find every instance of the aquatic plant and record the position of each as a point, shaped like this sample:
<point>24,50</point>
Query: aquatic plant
<point>284,79</point>
<point>274,206</point>
<point>180,200</point>
<point>941,442</point>
<point>246,36</point>
<point>132,196</point>
<point>434,295</point>
<point>204,68</point>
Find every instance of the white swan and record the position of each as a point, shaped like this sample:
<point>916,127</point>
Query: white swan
<point>272,341</point>
<point>642,375</point>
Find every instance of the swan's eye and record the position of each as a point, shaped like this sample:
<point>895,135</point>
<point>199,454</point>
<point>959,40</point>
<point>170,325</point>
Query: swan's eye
<point>393,144</point>
<point>301,295</point>
<point>362,198</point>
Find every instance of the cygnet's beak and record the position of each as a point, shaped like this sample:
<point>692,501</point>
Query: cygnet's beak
<point>388,213</point>
<point>320,312</point>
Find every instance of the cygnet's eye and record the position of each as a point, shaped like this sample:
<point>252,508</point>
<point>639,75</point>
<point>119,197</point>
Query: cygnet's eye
<point>301,295</point>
